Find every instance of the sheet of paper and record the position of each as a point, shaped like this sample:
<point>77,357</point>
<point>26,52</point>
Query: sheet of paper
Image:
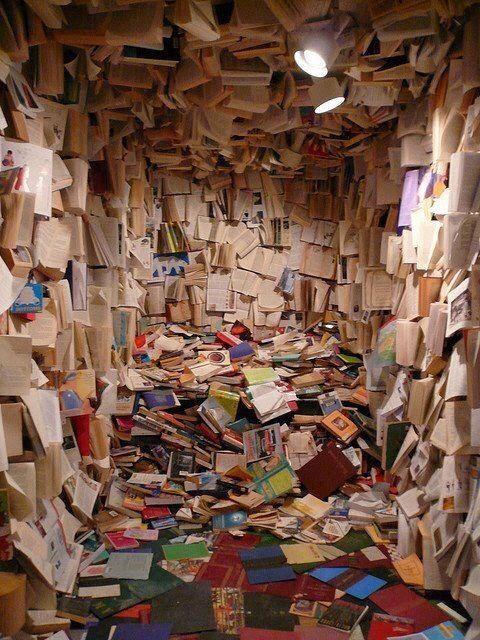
<point>129,566</point>
<point>10,287</point>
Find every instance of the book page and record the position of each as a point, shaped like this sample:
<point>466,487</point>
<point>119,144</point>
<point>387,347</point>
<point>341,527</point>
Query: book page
<point>15,365</point>
<point>52,243</point>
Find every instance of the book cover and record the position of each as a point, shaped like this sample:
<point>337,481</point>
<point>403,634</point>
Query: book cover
<point>318,476</point>
<point>343,615</point>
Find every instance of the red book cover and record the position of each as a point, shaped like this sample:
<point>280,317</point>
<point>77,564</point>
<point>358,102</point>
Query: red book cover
<point>319,633</point>
<point>118,540</point>
<point>150,513</point>
<point>138,611</point>
<point>226,541</point>
<point>312,589</point>
<point>326,472</point>
<point>399,600</point>
<point>81,426</point>
<point>384,626</point>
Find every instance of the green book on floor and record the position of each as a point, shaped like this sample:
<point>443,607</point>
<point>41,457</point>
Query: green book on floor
<point>354,541</point>
<point>185,551</point>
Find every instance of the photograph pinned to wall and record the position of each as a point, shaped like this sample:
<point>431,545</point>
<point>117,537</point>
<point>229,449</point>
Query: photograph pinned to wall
<point>171,264</point>
<point>459,308</point>
<point>257,213</point>
<point>35,175</point>
<point>30,299</point>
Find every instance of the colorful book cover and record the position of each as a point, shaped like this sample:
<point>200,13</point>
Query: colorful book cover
<point>343,615</point>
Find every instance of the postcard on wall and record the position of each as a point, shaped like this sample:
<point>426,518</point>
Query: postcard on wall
<point>171,264</point>
<point>459,308</point>
<point>30,299</point>
<point>54,123</point>
<point>36,175</point>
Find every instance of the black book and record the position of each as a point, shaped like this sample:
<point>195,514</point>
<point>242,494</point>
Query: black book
<point>76,609</point>
<point>343,615</point>
<point>188,608</point>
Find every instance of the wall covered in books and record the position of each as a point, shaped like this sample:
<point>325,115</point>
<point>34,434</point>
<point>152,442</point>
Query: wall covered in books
<point>222,308</point>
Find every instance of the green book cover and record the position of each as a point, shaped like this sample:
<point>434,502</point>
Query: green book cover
<point>105,607</point>
<point>159,581</point>
<point>354,541</point>
<point>275,482</point>
<point>394,436</point>
<point>185,551</point>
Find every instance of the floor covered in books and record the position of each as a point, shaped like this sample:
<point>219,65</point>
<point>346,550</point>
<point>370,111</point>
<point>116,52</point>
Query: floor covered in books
<point>270,539</point>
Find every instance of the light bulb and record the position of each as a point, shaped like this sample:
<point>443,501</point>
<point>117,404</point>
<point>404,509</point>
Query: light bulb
<point>330,104</point>
<point>313,58</point>
<point>327,94</point>
<point>311,62</point>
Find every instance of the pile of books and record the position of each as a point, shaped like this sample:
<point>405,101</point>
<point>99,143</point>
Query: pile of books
<point>229,479</point>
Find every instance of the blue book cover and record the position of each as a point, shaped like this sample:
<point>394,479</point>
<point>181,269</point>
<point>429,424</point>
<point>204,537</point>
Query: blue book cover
<point>327,573</point>
<point>239,426</point>
<point>133,631</point>
<point>239,351</point>
<point>444,631</point>
<point>160,399</point>
<point>356,583</point>
<point>271,574</point>
<point>263,556</point>
<point>365,587</point>
<point>234,520</point>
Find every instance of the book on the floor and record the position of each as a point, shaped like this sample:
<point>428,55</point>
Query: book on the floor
<point>399,600</point>
<point>139,631</point>
<point>383,626</point>
<point>343,615</point>
<point>262,557</point>
<point>340,426</point>
<point>76,609</point>
<point>188,608</point>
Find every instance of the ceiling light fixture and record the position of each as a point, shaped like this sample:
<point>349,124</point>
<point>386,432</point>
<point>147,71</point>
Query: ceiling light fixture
<point>327,94</point>
<point>311,62</point>
<point>315,50</point>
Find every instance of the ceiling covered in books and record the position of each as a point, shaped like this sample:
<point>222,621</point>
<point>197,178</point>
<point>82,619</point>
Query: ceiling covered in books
<point>209,87</point>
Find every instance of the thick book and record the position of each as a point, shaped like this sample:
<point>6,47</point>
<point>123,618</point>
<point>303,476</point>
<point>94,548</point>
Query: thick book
<point>326,472</point>
<point>76,609</point>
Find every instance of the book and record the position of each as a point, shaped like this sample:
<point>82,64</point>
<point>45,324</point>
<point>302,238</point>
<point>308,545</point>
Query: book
<point>394,435</point>
<point>343,615</point>
<point>339,425</point>
<point>316,477</point>
<point>197,597</point>
<point>75,609</point>
<point>384,626</point>
<point>421,611</point>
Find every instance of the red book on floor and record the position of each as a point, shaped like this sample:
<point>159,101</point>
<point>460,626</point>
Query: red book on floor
<point>384,626</point>
<point>399,600</point>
